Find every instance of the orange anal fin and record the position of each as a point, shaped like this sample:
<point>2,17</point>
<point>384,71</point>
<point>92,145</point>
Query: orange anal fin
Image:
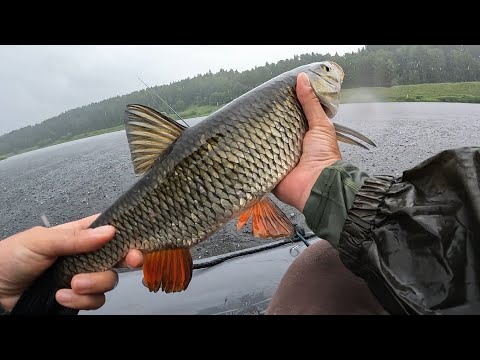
<point>268,220</point>
<point>168,269</point>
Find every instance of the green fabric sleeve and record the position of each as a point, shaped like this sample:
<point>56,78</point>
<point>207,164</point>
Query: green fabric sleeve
<point>330,199</point>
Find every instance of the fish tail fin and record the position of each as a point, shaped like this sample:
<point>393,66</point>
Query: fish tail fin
<point>39,298</point>
<point>168,269</point>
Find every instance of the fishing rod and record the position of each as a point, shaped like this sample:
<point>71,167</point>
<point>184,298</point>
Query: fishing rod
<point>148,88</point>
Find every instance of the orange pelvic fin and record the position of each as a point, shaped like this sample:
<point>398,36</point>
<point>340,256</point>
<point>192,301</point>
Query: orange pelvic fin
<point>243,218</point>
<point>268,220</point>
<point>168,269</point>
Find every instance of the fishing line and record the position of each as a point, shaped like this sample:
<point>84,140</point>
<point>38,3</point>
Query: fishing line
<point>148,88</point>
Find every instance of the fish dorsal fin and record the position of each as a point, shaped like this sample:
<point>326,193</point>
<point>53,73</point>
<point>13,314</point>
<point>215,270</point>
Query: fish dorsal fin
<point>149,134</point>
<point>268,220</point>
<point>168,269</point>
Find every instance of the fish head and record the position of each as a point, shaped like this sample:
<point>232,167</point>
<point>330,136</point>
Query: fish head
<point>326,79</point>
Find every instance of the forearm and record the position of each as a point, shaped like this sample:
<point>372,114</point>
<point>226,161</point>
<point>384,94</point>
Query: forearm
<point>331,198</point>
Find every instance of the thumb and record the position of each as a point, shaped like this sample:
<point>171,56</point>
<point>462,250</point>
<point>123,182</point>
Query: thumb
<point>311,105</point>
<point>53,242</point>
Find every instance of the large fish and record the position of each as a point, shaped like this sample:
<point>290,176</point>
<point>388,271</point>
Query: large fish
<point>197,179</point>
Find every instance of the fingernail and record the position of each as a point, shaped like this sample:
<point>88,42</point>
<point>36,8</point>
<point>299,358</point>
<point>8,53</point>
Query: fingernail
<point>305,80</point>
<point>103,230</point>
<point>63,296</point>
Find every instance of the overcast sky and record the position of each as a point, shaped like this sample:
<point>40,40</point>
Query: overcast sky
<point>40,82</point>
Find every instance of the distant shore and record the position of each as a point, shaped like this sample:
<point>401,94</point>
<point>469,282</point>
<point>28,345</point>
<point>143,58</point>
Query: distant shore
<point>65,139</point>
<point>189,113</point>
<point>465,92</point>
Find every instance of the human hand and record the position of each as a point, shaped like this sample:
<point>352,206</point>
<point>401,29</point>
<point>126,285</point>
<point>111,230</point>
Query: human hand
<point>26,255</point>
<point>320,149</point>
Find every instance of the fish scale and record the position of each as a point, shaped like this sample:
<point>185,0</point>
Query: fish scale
<point>262,173</point>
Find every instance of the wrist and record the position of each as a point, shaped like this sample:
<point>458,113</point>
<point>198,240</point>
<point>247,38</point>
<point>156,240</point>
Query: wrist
<point>306,184</point>
<point>311,176</point>
<point>295,188</point>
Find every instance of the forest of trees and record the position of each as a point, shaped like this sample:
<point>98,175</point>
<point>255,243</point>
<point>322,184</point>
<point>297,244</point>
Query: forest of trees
<point>373,65</point>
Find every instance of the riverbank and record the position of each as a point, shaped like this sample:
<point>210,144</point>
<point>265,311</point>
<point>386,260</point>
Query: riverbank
<point>65,139</point>
<point>198,111</point>
<point>466,92</point>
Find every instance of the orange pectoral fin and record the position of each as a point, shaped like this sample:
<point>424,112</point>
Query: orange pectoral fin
<point>268,220</point>
<point>169,269</point>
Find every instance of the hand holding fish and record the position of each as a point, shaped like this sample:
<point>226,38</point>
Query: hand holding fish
<point>320,149</point>
<point>26,255</point>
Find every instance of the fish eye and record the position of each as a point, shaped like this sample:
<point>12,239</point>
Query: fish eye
<point>325,67</point>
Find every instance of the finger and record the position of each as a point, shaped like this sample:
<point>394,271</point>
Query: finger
<point>68,298</point>
<point>78,224</point>
<point>133,260</point>
<point>94,283</point>
<point>58,242</point>
<point>311,105</point>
